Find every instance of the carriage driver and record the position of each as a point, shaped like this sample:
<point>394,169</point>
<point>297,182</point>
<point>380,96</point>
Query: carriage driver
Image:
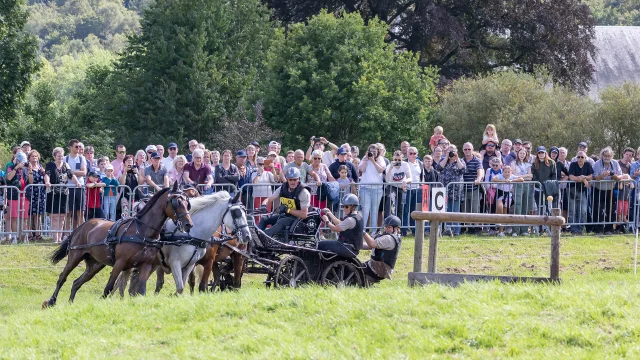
<point>385,248</point>
<point>295,200</point>
<point>350,229</point>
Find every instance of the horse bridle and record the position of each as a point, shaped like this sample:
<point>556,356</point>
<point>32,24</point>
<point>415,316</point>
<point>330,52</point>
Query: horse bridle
<point>173,201</point>
<point>238,207</point>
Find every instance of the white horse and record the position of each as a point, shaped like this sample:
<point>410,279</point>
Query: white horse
<point>207,214</point>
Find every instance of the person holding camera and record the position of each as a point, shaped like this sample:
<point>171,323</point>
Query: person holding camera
<point>453,170</point>
<point>372,189</point>
<point>295,201</point>
<point>319,143</point>
<point>132,178</point>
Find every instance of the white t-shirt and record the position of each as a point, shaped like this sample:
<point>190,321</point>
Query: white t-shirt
<point>416,170</point>
<point>167,163</point>
<point>396,175</point>
<point>260,188</point>
<point>76,164</point>
<point>327,158</point>
<point>504,186</point>
<point>371,175</point>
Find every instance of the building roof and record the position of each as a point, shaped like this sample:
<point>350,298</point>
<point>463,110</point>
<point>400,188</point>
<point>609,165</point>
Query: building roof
<point>618,57</point>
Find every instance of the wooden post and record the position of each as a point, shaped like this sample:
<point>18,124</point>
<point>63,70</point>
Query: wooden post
<point>418,246</point>
<point>433,246</point>
<point>555,248</point>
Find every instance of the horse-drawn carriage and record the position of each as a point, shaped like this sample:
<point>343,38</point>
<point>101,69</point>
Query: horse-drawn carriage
<point>291,259</point>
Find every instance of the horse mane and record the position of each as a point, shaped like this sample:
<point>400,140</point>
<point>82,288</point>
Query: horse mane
<point>152,202</point>
<point>203,202</point>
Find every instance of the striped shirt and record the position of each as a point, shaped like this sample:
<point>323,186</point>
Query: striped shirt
<point>471,172</point>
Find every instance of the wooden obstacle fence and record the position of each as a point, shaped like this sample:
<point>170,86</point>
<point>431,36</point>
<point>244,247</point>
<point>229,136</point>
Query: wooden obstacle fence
<point>555,221</point>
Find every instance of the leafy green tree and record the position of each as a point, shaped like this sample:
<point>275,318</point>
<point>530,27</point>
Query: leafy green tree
<point>337,78</point>
<point>521,106</point>
<point>618,115</point>
<point>195,62</point>
<point>615,12</point>
<point>17,58</point>
<point>467,37</point>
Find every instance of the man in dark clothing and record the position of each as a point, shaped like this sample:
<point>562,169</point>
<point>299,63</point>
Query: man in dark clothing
<point>350,229</point>
<point>385,248</point>
<point>489,152</point>
<point>581,172</point>
<point>342,160</point>
<point>295,201</point>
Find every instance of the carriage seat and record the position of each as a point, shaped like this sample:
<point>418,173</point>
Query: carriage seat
<point>308,226</point>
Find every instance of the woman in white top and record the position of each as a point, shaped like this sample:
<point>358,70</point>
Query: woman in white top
<point>323,172</point>
<point>371,167</point>
<point>398,176</point>
<point>522,168</point>
<point>263,188</point>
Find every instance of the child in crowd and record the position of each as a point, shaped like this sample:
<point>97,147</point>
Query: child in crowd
<point>110,193</point>
<point>623,194</point>
<point>504,193</point>
<point>490,134</point>
<point>94,196</point>
<point>101,166</point>
<point>346,184</point>
<point>437,135</point>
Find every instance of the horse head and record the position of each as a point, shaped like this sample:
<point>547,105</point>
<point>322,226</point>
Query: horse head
<point>235,218</point>
<point>177,209</point>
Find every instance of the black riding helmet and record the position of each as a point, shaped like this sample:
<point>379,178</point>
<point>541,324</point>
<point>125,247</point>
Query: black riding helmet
<point>392,220</point>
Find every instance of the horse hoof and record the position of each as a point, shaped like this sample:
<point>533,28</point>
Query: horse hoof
<point>45,304</point>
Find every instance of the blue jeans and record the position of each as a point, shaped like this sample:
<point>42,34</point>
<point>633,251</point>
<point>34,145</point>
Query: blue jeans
<point>578,210</point>
<point>369,202</point>
<point>414,196</point>
<point>454,206</point>
<point>109,207</point>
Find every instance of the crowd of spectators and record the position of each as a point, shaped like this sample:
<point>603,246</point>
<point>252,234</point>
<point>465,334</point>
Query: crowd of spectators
<point>503,176</point>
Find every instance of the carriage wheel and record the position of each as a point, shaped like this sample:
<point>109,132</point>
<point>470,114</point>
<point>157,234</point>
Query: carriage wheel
<point>341,274</point>
<point>292,272</point>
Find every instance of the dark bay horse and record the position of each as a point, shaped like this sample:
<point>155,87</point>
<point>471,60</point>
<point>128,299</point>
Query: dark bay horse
<point>136,243</point>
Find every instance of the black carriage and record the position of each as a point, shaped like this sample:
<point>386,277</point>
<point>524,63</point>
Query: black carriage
<point>292,259</point>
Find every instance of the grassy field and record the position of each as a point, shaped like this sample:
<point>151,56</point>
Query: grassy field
<point>592,314</point>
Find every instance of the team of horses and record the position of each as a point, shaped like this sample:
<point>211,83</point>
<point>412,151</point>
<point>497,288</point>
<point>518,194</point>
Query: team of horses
<point>171,232</point>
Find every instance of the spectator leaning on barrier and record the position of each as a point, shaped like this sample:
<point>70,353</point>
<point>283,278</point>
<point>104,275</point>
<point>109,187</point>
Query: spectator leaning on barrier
<point>263,180</point>
<point>429,173</point>
<point>453,170</point>
<point>628,155</point>
<point>605,171</point>
<point>522,192</point>
<point>95,188</point>
<point>581,173</point>
<point>78,164</point>
<point>583,147</point>
<point>227,173</point>
<point>132,178</point>
<point>543,170</point>
<point>156,174</point>
<point>473,175</point>
<point>35,194</point>
<point>58,173</point>
<point>110,193</point>
<point>245,170</point>
<point>371,191</point>
<point>197,172</point>
<point>177,171</point>
<point>398,177</point>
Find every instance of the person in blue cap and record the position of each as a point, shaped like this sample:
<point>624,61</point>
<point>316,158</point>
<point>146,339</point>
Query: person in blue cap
<point>173,152</point>
<point>295,201</point>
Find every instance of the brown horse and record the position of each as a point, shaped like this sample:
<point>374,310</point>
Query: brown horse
<point>217,253</point>
<point>137,245</point>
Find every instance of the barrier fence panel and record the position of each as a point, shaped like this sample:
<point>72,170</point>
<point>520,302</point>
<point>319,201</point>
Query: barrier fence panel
<point>10,197</point>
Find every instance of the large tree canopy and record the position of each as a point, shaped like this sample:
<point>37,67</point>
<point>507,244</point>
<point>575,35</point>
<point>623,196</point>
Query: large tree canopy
<point>17,58</point>
<point>195,62</point>
<point>463,37</point>
<point>336,77</point>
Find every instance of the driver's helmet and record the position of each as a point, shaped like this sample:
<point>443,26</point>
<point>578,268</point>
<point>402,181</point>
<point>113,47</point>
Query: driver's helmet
<point>292,173</point>
<point>392,220</point>
<point>350,199</point>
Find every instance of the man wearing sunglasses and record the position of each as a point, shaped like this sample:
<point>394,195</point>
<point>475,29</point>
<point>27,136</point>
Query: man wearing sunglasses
<point>581,172</point>
<point>350,229</point>
<point>173,152</point>
<point>295,201</point>
<point>118,163</point>
<point>489,152</point>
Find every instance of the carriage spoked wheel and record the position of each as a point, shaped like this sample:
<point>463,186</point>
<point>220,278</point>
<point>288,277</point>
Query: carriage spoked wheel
<point>292,272</point>
<point>341,274</point>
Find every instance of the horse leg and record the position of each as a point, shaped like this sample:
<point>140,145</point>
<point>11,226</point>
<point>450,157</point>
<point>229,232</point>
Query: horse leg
<point>159,279</point>
<point>117,269</point>
<point>238,267</point>
<point>92,268</point>
<point>143,276</point>
<point>123,279</point>
<point>133,285</point>
<point>72,262</point>
<point>176,270</point>
<point>192,280</point>
<point>187,273</point>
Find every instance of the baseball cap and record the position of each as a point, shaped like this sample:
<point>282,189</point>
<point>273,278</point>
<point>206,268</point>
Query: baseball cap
<point>93,174</point>
<point>554,149</point>
<point>255,143</point>
<point>241,152</point>
<point>583,144</point>
<point>517,141</point>
<point>24,143</point>
<point>155,155</point>
<point>151,148</point>
<point>273,143</point>
<point>342,151</point>
<point>108,167</point>
<point>172,144</point>
<point>272,153</point>
<point>541,149</point>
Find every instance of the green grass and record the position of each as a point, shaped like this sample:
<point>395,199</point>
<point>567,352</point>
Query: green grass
<point>592,314</point>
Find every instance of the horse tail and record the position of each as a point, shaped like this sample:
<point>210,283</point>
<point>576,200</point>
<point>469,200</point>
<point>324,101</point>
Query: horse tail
<point>62,250</point>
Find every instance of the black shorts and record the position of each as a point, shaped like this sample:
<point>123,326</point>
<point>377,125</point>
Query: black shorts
<point>76,199</point>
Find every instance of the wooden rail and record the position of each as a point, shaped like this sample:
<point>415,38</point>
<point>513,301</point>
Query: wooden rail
<point>555,221</point>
